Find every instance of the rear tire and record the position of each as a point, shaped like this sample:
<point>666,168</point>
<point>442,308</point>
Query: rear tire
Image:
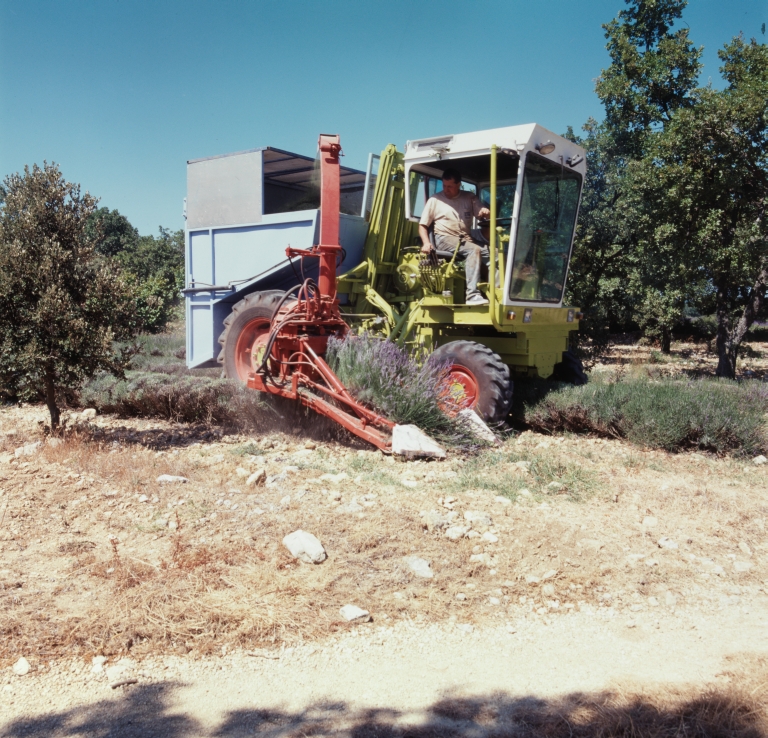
<point>570,370</point>
<point>249,320</point>
<point>481,376</point>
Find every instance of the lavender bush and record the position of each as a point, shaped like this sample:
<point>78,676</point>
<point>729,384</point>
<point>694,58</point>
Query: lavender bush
<point>673,414</point>
<point>387,378</point>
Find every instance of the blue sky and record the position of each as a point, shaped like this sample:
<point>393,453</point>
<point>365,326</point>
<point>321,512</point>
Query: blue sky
<point>121,93</point>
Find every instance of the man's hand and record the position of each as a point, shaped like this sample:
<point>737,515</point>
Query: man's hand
<point>484,213</point>
<point>427,248</point>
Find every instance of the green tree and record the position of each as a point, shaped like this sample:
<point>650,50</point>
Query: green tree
<point>111,231</point>
<point>702,188</point>
<point>62,306</point>
<point>652,73</point>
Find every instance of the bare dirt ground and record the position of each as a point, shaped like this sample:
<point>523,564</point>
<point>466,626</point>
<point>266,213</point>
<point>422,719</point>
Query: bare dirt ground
<point>591,583</point>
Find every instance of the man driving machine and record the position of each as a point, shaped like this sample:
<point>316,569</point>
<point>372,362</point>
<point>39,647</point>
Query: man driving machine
<point>450,214</point>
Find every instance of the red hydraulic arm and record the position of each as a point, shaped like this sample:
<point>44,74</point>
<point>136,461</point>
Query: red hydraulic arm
<point>289,362</point>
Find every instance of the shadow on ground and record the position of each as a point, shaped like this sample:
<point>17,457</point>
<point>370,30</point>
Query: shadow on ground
<point>145,711</point>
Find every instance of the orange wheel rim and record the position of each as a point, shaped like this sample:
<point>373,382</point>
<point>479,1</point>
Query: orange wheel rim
<point>461,390</point>
<point>252,338</point>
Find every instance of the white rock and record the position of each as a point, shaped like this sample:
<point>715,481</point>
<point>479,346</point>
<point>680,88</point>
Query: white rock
<point>760,460</point>
<point>170,479</point>
<point>490,537</point>
<point>460,596</point>
<point>240,472</point>
<point>478,518</point>
<point>524,492</point>
<point>334,478</point>
<point>531,579</point>
<point>53,442</point>
<point>97,664</point>
<point>310,445</point>
<point>494,600</point>
<point>433,520</point>
<point>503,500</point>
<point>669,599</point>
<point>742,566</point>
<point>551,574</point>
<point>29,449</point>
<point>305,547</point>
<point>354,614</point>
<point>651,562</point>
<point>257,478</point>
<point>411,483</point>
<point>744,547</point>
<point>285,500</point>
<point>420,567</point>
<point>650,522</point>
<point>21,667</point>
<point>411,442</point>
<point>88,413</point>
<point>456,532</point>
<point>548,590</point>
<point>477,426</point>
<point>665,542</point>
<point>480,558</point>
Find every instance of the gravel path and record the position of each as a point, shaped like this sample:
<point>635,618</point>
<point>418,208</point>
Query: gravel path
<point>436,680</point>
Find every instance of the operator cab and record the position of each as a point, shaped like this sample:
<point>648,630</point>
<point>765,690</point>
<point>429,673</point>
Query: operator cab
<point>539,177</point>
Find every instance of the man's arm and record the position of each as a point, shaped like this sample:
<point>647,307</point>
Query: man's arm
<point>426,246</point>
<point>481,211</point>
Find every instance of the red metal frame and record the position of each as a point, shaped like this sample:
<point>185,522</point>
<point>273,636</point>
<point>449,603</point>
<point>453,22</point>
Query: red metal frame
<point>293,366</point>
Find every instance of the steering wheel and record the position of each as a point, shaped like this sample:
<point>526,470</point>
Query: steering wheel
<point>499,221</point>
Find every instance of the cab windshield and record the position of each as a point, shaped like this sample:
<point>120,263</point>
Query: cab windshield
<point>549,202</point>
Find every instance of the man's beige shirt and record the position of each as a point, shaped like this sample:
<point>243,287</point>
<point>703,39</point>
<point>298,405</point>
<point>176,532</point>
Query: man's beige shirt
<point>451,218</point>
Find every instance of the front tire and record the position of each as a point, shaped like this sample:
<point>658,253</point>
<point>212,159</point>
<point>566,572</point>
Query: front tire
<point>479,379</point>
<point>244,328</point>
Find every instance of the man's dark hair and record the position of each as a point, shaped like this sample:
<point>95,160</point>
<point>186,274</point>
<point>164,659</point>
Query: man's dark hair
<point>452,174</point>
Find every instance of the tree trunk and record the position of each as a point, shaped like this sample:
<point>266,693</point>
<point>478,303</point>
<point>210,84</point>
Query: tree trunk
<point>666,340</point>
<point>729,339</point>
<point>50,400</point>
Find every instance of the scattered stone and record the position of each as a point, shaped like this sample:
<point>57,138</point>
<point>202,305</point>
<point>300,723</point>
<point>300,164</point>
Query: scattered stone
<point>650,522</point>
<point>456,532</point>
<point>433,520</point>
<point>119,674</point>
<point>310,445</point>
<point>412,442</point>
<point>478,518</point>
<point>490,537</point>
<point>305,547</point>
<point>631,624</point>
<point>143,498</point>
<point>551,574</point>
<point>257,478</point>
<point>556,486</point>
<point>420,567</point>
<point>285,500</point>
<point>480,558</point>
<point>653,601</point>
<point>21,667</point>
<point>88,413</point>
<point>97,664</point>
<point>531,579</point>
<point>760,460</point>
<point>548,590</point>
<point>668,543</point>
<point>669,599</point>
<point>53,442</point>
<point>524,466</point>
<point>742,566</point>
<point>355,614</point>
<point>29,449</point>
<point>745,549</point>
<point>477,426</point>
<point>171,479</point>
<point>474,534</point>
<point>591,543</point>
<point>503,500</point>
<point>410,483</point>
<point>240,472</point>
<point>524,492</point>
<point>461,597</point>
<point>651,562</point>
<point>351,508</point>
<point>334,478</point>
<point>172,525</point>
<point>494,600</point>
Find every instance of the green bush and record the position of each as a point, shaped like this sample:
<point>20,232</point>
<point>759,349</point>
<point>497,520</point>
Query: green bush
<point>713,415</point>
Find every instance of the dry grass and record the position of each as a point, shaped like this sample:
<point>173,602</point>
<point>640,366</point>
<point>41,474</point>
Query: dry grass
<point>222,578</point>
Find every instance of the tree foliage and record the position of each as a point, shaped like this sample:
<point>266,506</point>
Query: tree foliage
<point>673,211</point>
<point>63,306</point>
<point>153,264</point>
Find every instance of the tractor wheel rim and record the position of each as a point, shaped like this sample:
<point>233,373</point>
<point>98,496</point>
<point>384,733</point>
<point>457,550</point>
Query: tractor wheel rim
<point>252,337</point>
<point>462,389</point>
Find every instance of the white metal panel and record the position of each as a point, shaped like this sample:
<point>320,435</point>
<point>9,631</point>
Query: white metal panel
<point>224,190</point>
